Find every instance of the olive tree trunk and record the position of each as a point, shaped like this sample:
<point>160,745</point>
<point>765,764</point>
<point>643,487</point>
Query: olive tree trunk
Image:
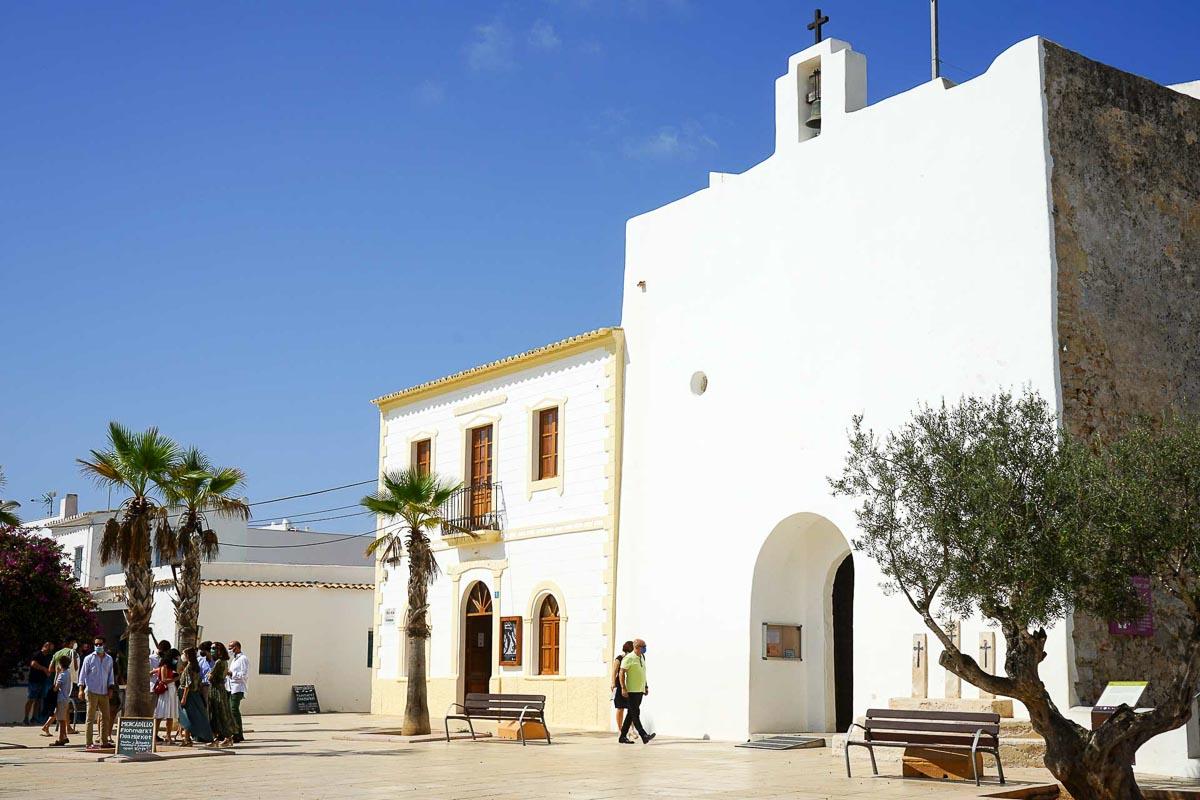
<point>139,600</point>
<point>1091,765</point>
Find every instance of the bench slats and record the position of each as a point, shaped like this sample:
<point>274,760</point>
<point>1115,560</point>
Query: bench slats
<point>931,739</point>
<point>504,697</point>
<point>967,728</point>
<point>966,716</point>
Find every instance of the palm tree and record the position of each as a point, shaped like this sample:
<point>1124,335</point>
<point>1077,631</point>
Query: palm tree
<point>7,507</point>
<point>197,488</point>
<point>414,498</point>
<point>140,463</point>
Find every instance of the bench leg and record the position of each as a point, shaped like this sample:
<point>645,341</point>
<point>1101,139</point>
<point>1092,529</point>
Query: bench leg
<point>999,766</point>
<point>847,757</point>
<point>447,722</point>
<point>974,766</point>
<point>521,732</point>
<point>546,728</point>
<point>472,727</point>
<point>874,766</point>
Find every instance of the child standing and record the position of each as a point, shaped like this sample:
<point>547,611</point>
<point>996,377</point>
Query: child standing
<point>62,691</point>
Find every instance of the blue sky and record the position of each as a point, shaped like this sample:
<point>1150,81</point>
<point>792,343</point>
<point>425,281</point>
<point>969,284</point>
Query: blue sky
<point>242,221</point>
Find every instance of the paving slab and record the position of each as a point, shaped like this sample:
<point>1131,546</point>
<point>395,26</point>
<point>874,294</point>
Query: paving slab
<point>335,757</point>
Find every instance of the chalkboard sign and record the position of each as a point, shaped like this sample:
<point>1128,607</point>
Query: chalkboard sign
<point>135,735</point>
<point>306,699</point>
<point>510,641</point>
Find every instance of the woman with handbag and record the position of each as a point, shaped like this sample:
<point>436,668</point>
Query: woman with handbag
<point>163,685</point>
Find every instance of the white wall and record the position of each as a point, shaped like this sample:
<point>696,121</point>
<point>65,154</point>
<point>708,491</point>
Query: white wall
<point>902,256</point>
<point>554,538</point>
<point>329,628</point>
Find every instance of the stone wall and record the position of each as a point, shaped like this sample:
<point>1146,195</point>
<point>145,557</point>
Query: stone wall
<point>1125,185</point>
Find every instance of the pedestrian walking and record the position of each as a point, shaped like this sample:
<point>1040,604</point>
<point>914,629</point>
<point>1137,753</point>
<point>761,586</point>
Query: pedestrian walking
<point>166,706</point>
<point>62,699</point>
<point>97,679</point>
<point>68,651</point>
<point>204,659</point>
<point>619,701</point>
<point>193,707</point>
<point>39,682</point>
<point>239,671</point>
<point>634,687</point>
<point>220,715</point>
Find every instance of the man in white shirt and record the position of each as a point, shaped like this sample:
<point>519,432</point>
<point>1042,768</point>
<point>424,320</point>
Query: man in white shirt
<point>239,669</point>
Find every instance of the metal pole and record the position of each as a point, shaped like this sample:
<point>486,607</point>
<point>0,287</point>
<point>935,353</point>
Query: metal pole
<point>933,40</point>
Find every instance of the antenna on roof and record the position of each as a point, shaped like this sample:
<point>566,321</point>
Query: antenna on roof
<point>935,62</point>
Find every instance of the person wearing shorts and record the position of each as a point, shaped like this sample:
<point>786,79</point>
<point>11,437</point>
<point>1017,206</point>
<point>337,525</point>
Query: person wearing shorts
<point>62,691</point>
<point>620,701</point>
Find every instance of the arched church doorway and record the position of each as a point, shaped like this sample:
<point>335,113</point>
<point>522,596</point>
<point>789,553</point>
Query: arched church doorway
<point>843,644</point>
<point>477,644</point>
<point>801,628</point>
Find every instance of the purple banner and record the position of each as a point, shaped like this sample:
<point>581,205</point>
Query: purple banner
<point>1143,625</point>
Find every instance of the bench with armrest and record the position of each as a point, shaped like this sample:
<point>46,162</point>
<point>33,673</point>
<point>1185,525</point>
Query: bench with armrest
<point>518,708</point>
<point>953,730</point>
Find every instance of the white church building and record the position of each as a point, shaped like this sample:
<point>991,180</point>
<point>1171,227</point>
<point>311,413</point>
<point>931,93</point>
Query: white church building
<point>950,240</point>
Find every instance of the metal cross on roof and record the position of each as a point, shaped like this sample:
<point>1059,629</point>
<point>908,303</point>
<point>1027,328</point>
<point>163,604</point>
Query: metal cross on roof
<point>815,26</point>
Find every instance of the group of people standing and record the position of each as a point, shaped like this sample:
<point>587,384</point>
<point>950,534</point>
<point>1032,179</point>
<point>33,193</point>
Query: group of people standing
<point>629,687</point>
<point>199,693</point>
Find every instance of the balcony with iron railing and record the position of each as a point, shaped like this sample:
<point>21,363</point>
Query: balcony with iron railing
<point>474,513</point>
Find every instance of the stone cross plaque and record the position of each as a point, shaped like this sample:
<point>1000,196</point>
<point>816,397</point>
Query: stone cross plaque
<point>987,658</point>
<point>920,665</point>
<point>953,682</point>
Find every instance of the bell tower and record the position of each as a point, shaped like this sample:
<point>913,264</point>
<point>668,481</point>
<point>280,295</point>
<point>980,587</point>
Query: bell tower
<point>823,84</point>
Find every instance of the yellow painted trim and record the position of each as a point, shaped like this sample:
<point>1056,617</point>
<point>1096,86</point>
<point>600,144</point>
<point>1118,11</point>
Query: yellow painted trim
<point>618,341</point>
<point>495,369</point>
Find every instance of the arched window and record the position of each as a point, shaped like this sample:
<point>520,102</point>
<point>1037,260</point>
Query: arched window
<point>548,636</point>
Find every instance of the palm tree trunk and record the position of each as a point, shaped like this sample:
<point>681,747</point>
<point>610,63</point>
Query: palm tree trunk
<point>416,708</point>
<point>187,601</point>
<point>139,598</point>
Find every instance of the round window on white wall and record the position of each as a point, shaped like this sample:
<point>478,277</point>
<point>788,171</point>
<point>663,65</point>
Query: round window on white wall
<point>699,383</point>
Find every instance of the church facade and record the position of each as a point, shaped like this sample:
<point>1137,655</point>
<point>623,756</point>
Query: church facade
<point>1035,226</point>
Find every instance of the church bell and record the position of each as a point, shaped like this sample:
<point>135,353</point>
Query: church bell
<point>814,101</point>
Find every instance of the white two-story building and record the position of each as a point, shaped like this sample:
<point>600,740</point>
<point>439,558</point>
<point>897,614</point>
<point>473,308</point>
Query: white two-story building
<point>526,603</point>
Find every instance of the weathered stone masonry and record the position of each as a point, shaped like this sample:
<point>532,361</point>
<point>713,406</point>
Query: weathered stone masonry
<point>1125,184</point>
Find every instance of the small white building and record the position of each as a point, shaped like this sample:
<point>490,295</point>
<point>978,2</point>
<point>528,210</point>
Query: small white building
<point>292,608</point>
<point>525,605</point>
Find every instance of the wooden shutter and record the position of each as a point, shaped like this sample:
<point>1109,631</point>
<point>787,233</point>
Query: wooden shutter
<point>548,639</point>
<point>481,470</point>
<point>422,452</point>
<point>547,444</point>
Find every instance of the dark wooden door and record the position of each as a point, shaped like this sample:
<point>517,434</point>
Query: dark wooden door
<point>843,644</point>
<point>477,648</point>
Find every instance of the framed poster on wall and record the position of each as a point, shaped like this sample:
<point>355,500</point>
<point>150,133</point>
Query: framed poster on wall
<point>510,641</point>
<point>781,642</point>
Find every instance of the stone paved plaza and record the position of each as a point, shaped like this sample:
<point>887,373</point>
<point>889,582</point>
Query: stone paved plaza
<point>325,756</point>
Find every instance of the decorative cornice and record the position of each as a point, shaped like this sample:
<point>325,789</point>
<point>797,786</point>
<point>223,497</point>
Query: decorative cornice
<point>494,369</point>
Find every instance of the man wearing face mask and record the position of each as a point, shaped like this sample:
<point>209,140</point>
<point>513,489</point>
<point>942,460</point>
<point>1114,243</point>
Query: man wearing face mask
<point>239,670</point>
<point>96,680</point>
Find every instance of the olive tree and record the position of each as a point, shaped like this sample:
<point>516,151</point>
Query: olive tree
<point>989,507</point>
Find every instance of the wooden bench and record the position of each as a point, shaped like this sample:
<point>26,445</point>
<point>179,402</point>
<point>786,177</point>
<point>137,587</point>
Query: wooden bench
<point>518,708</point>
<point>955,730</point>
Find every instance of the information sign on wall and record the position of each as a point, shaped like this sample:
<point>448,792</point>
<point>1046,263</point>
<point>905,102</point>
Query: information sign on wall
<point>510,641</point>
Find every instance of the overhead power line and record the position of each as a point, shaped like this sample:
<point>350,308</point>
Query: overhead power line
<point>312,544</point>
<point>65,524</point>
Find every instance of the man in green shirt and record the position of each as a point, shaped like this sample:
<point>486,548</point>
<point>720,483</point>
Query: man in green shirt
<point>634,688</point>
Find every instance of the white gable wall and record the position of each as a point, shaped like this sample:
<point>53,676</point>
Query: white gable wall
<point>902,256</point>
